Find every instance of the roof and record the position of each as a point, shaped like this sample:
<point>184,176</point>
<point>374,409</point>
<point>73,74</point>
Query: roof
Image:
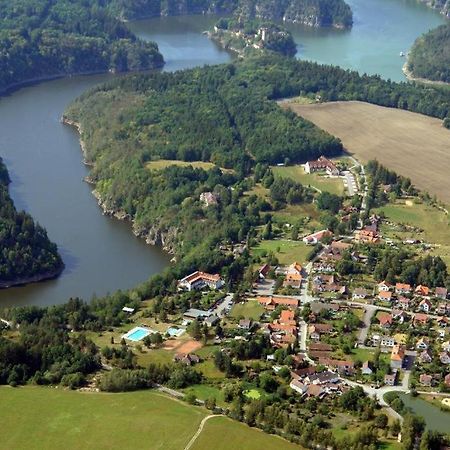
<point>320,346</point>
<point>425,290</point>
<point>360,291</point>
<point>385,294</point>
<point>398,353</point>
<point>196,313</point>
<point>197,275</point>
<point>286,301</point>
<point>420,317</point>
<point>385,319</point>
<point>403,286</point>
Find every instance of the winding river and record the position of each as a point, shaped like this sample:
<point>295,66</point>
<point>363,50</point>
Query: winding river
<point>44,159</point>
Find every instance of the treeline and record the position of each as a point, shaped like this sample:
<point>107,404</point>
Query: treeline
<point>43,38</point>
<point>25,251</point>
<point>309,12</point>
<point>430,55</point>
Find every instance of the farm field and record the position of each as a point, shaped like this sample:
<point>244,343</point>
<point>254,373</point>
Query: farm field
<point>285,250</point>
<point>320,182</point>
<point>412,144</point>
<point>234,435</point>
<point>142,419</point>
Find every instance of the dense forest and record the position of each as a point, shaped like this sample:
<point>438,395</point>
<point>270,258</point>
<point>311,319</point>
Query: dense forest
<point>26,253</point>
<point>309,12</point>
<point>221,114</point>
<point>430,55</point>
<point>43,38</point>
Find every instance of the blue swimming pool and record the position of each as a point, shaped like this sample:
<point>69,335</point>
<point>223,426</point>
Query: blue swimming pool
<point>136,334</point>
<point>174,331</point>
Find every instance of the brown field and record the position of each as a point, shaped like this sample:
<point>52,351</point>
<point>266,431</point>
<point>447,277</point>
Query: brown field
<point>189,347</point>
<point>414,145</point>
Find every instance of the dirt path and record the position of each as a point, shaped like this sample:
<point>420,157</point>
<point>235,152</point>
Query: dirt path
<point>200,429</point>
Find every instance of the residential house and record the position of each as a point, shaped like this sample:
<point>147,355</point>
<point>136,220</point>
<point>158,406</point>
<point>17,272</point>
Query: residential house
<point>403,302</point>
<point>425,357</point>
<point>367,236</point>
<point>272,301</point>
<point>366,369</point>
<point>389,379</point>
<point>446,346</point>
<point>402,288</point>
<point>293,275</point>
<point>195,314</point>
<point>342,367</point>
<point>384,286</point>
<point>322,163</point>
<point>316,237</point>
<point>208,198</point>
<point>399,315</point>
<point>245,324</point>
<point>425,305</point>
<point>298,386</point>
<point>263,271</point>
<point>442,308</point>
<point>385,296</point>
<point>420,319</point>
<point>397,356</point>
<point>316,330</point>
<point>425,380</point>
<point>423,291</point>
<point>442,321</point>
<point>198,280</point>
<point>441,292</point>
<point>320,347</point>
<point>387,341</point>
<point>423,343</point>
<point>322,378</point>
<point>359,294</point>
<point>211,320</point>
<point>444,357</point>
<point>385,320</point>
<point>187,358</point>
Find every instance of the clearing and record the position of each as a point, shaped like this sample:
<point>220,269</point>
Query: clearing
<point>286,251</point>
<point>414,145</point>
<point>163,163</point>
<point>250,309</point>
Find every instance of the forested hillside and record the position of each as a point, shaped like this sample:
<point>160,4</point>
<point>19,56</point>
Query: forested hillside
<point>430,55</point>
<point>42,38</point>
<point>26,253</point>
<point>223,114</point>
<point>309,12</point>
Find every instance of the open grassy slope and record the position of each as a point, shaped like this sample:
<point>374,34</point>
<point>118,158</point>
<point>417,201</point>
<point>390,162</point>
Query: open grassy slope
<point>413,145</point>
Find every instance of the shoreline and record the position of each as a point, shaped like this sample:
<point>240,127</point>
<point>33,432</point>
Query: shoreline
<point>410,77</point>
<point>153,236</point>
<point>50,275</point>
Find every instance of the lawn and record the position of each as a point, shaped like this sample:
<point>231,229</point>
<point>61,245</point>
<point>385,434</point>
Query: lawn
<point>222,433</point>
<point>204,391</point>
<point>38,418</point>
<point>251,309</point>
<point>362,354</point>
<point>286,251</point>
<point>155,356</point>
<point>319,181</point>
<point>253,394</point>
<point>292,213</point>
<point>414,145</point>
<point>209,370</point>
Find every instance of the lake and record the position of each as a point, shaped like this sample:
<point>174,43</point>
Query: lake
<point>45,163</point>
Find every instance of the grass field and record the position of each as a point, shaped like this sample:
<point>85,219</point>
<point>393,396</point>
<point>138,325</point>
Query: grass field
<point>163,163</point>
<point>229,435</point>
<point>289,251</point>
<point>72,420</point>
<point>323,183</point>
<point>251,309</point>
<point>413,145</point>
<point>61,419</point>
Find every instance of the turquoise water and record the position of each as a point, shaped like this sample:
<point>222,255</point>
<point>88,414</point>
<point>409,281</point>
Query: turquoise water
<point>173,331</point>
<point>138,334</point>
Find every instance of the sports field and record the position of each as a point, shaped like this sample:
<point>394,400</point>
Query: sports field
<point>414,145</point>
<point>54,419</point>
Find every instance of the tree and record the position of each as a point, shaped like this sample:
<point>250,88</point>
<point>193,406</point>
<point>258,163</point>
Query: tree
<point>195,330</point>
<point>381,421</point>
<point>156,339</point>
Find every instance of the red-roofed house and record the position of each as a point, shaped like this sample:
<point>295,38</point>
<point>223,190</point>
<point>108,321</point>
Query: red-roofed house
<point>423,291</point>
<point>420,319</point>
<point>402,288</point>
<point>385,320</point>
<point>425,305</point>
<point>199,280</point>
<point>441,292</point>
<point>385,296</point>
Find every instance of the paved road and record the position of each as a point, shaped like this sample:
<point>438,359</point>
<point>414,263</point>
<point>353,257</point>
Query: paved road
<point>305,297</point>
<point>302,335</point>
<point>265,287</point>
<point>220,309</point>
<point>369,311</point>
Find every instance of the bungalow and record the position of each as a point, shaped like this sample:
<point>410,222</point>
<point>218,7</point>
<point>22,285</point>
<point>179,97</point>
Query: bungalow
<point>385,320</point>
<point>271,302</point>
<point>198,280</point>
<point>316,237</point>
<point>359,293</point>
<point>441,292</point>
<point>425,305</point>
<point>366,369</point>
<point>402,288</point>
<point>425,357</point>
<point>423,343</point>
<point>420,319</point>
<point>389,379</point>
<point>384,286</point>
<point>425,380</point>
<point>186,358</point>
<point>421,290</point>
<point>444,357</point>
<point>397,356</point>
<point>385,296</point>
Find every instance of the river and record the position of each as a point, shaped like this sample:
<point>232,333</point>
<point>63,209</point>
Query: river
<point>44,159</point>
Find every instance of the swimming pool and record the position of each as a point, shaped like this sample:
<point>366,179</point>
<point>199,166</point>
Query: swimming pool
<point>136,334</point>
<point>174,331</point>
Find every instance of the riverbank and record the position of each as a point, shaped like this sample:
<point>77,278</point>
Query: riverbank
<point>50,275</point>
<point>154,236</point>
<point>409,75</point>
